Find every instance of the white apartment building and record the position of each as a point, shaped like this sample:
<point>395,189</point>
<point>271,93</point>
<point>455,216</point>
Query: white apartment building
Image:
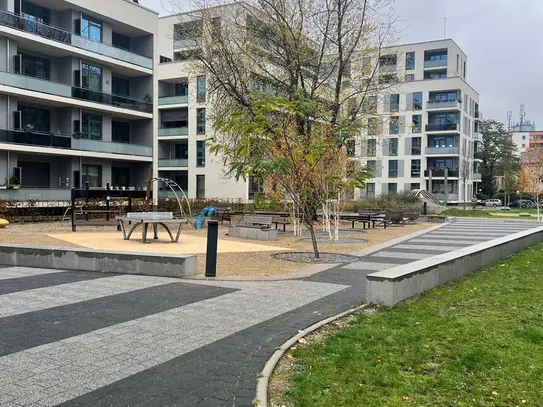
<point>521,140</point>
<point>77,95</point>
<point>183,104</point>
<point>425,123</point>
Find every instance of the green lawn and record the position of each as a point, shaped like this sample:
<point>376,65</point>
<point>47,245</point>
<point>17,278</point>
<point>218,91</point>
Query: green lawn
<point>488,213</point>
<point>475,342</point>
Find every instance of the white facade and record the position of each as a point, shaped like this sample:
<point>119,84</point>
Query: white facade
<point>77,95</point>
<point>521,140</point>
<point>427,121</point>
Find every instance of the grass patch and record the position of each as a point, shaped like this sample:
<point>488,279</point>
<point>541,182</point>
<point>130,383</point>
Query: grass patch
<point>468,213</point>
<point>475,342</point>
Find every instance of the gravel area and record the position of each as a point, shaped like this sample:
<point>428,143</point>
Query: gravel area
<point>326,239</point>
<point>305,257</point>
<point>229,264</point>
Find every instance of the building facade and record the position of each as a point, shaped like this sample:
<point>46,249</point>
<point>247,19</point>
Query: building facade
<point>427,122</point>
<point>78,95</point>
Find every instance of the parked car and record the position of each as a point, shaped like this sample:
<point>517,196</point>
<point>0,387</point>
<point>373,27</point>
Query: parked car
<point>493,202</point>
<point>523,203</point>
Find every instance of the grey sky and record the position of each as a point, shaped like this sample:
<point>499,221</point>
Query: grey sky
<point>500,37</point>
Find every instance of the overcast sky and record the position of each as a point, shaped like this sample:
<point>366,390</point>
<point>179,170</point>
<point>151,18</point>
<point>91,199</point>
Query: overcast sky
<point>501,38</point>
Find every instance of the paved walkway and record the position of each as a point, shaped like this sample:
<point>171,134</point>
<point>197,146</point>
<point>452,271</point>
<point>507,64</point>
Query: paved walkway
<point>89,339</point>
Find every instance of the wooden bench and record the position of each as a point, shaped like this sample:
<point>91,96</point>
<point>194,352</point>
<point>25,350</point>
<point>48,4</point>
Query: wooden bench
<point>108,221</point>
<point>392,218</point>
<point>252,221</point>
<point>222,213</point>
<point>281,220</point>
<point>411,217</point>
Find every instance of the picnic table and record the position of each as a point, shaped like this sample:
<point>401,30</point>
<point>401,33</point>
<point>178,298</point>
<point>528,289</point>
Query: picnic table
<point>369,218</point>
<point>144,219</point>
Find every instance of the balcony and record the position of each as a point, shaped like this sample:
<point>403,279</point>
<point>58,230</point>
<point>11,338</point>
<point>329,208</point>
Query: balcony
<point>442,150</point>
<point>187,43</point>
<point>173,132</point>
<point>388,68</point>
<point>443,127</point>
<point>173,100</point>
<point>42,194</point>
<point>478,115</point>
<point>61,89</point>
<point>440,173</point>
<point>436,63</point>
<point>178,162</point>
<point>38,139</point>
<point>443,104</point>
<point>477,136</point>
<point>49,32</point>
<point>478,156</point>
<point>476,177</point>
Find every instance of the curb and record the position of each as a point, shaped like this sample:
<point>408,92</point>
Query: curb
<point>262,385</point>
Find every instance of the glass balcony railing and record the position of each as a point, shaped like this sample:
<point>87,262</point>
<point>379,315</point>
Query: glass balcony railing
<point>21,23</point>
<point>42,194</point>
<point>186,43</point>
<point>172,132</point>
<point>71,143</point>
<point>477,136</point>
<point>173,100</point>
<point>442,150</point>
<point>440,172</point>
<point>178,162</point>
<point>35,84</point>
<point>476,177</point>
<point>435,63</point>
<point>440,104</point>
<point>123,102</point>
<point>451,197</point>
<point>442,127</point>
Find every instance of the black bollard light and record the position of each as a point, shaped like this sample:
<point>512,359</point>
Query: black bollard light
<point>424,208</point>
<point>211,252</point>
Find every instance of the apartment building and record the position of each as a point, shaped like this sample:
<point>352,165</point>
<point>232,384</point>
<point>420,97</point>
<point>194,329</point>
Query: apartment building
<point>424,134</point>
<point>184,109</point>
<point>77,95</point>
<point>522,140</point>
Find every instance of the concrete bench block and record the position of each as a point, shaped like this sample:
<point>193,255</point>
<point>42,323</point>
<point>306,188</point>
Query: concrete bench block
<point>252,233</point>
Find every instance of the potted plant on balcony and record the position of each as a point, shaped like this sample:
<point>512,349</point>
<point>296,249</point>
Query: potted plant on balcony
<point>14,182</point>
<point>5,184</point>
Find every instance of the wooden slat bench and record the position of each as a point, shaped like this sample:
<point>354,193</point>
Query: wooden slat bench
<point>252,221</point>
<point>281,220</point>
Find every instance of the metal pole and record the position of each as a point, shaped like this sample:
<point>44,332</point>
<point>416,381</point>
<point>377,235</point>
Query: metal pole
<point>424,208</point>
<point>73,210</point>
<point>211,252</point>
<point>148,193</point>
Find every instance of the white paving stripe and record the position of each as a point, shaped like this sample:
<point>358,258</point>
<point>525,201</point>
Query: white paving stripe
<point>474,236</point>
<point>449,241</point>
<point>20,272</point>
<point>369,265</point>
<point>440,249</point>
<point>83,363</point>
<point>403,255</point>
<point>48,297</point>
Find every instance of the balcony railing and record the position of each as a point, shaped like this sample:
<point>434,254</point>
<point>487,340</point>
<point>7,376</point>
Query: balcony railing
<point>172,132</point>
<point>442,150</point>
<point>441,104</point>
<point>443,127</point>
<point>173,100</point>
<point>42,194</point>
<point>61,89</point>
<point>71,143</point>
<point>451,197</point>
<point>22,23</point>
<point>476,177</point>
<point>435,63</point>
<point>477,136</point>
<point>440,172</point>
<point>478,156</point>
<point>178,162</point>
<point>187,43</point>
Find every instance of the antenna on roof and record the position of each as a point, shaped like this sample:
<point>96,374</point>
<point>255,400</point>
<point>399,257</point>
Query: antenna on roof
<point>445,28</point>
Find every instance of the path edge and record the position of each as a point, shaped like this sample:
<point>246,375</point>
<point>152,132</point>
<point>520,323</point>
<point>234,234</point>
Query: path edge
<point>261,399</point>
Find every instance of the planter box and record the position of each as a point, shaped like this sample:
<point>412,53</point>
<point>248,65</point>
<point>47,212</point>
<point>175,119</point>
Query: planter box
<point>252,233</point>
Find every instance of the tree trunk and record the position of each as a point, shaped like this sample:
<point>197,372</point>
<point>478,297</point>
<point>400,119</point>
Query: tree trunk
<point>309,224</point>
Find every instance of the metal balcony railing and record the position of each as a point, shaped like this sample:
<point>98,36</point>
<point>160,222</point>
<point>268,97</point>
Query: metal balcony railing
<point>443,127</point>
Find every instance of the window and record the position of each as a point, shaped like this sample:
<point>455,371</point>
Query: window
<point>394,102</point>
<point>410,60</point>
<point>443,96</point>
<point>120,131</point>
<point>39,119</point>
<point>200,186</point>
<point>371,166</point>
<point>524,145</point>
<point>181,151</point>
<point>415,185</point>
<point>372,103</point>
<point>440,74</point>
<point>164,59</point>
<point>415,168</point>
<point>350,147</point>
<point>416,143</point>
<point>35,13</point>
<point>120,176</point>
<point>393,146</point>
<point>92,174</point>
<point>416,123</point>
<point>372,127</point>
<point>457,63</point>
<point>91,126</point>
<point>200,154</point>
<point>393,169</point>
<point>255,188</point>
<point>120,86</point>
<point>91,29</point>
<point>181,89</point>
<point>410,77</point>
<point>91,77</point>
<point>372,147</point>
<point>524,137</point>
<point>417,100</point>
<point>370,189</point>
<point>200,121</point>
<point>120,41</point>
<point>464,73</point>
<point>441,141</point>
<point>392,188</point>
<point>394,125</point>
<point>36,67</point>
<point>201,89</point>
<point>439,55</point>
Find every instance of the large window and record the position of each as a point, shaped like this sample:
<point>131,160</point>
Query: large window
<point>443,96</point>
<point>410,77</point>
<point>416,146</point>
<point>394,102</point>
<point>372,127</point>
<point>410,60</point>
<point>393,146</point>
<point>441,74</point>
<point>120,176</point>
<point>181,151</point>
<point>91,77</point>
<point>442,141</point>
<point>416,123</point>
<point>443,118</point>
<point>201,89</point>
<point>34,13</point>
<point>392,188</point>
<point>415,168</point>
<point>371,166</point>
<point>120,86</point>
<point>393,168</point>
<point>372,147</point>
<point>92,174</point>
<point>91,127</point>
<point>200,154</point>
<point>350,147</point>
<point>120,41</point>
<point>200,121</point>
<point>39,119</point>
<point>394,125</point>
<point>91,28</point>
<point>200,186</point>
<point>417,100</point>
<point>181,89</point>
<point>120,131</point>
<point>36,66</point>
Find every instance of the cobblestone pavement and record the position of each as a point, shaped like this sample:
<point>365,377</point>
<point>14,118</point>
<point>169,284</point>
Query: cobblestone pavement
<point>90,339</point>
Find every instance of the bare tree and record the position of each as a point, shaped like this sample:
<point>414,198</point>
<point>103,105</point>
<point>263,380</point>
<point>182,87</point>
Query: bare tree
<point>465,167</point>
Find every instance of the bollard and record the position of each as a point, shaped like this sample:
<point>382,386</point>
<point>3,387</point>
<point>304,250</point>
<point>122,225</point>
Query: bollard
<point>424,208</point>
<point>211,252</point>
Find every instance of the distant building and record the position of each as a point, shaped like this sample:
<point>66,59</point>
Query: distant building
<point>526,140</point>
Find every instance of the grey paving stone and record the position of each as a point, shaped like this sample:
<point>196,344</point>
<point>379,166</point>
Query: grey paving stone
<point>369,265</point>
<point>18,272</point>
<point>453,241</point>
<point>401,255</point>
<point>440,249</point>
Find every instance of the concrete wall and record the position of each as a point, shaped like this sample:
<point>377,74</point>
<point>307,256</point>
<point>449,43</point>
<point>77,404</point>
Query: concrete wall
<point>394,285</point>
